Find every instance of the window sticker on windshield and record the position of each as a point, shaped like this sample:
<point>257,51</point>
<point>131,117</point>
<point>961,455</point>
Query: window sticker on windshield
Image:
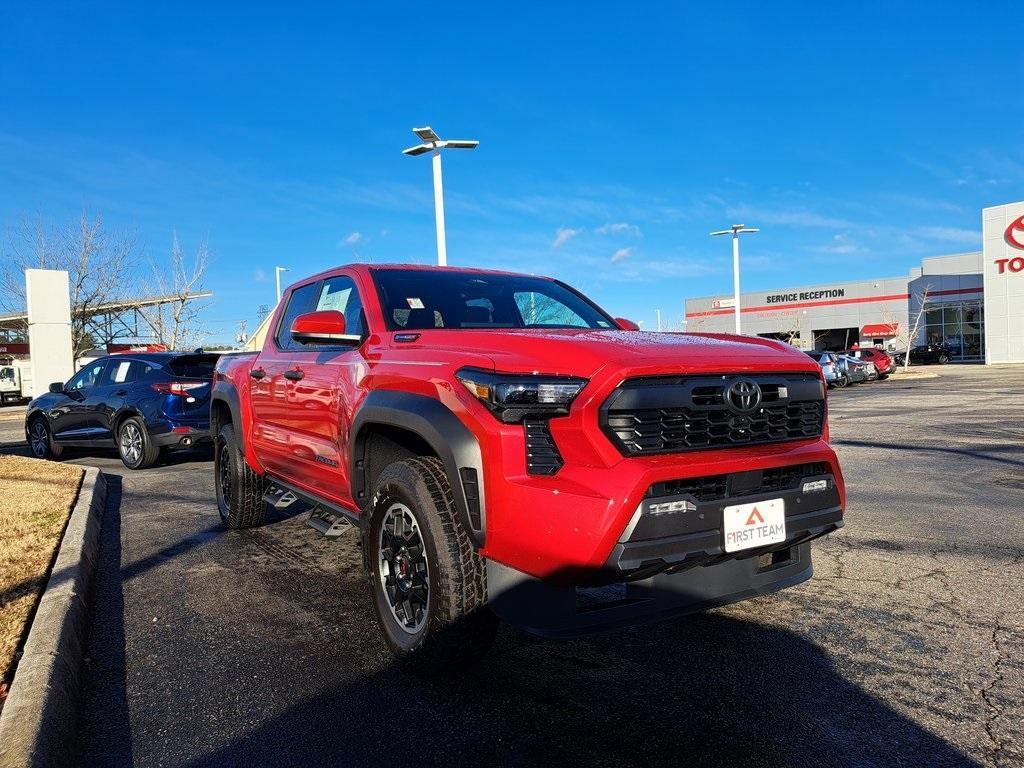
<point>414,303</point>
<point>122,372</point>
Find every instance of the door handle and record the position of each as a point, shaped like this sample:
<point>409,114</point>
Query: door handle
<point>257,373</point>
<point>293,375</point>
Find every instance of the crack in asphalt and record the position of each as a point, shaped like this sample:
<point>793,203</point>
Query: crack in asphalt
<point>994,710</point>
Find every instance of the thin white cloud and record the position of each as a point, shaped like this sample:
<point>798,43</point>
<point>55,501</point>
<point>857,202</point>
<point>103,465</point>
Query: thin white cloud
<point>622,253</point>
<point>950,234</point>
<point>564,235</point>
<point>260,276</point>
<point>788,217</point>
<point>619,229</point>
<point>841,244</point>
<point>353,238</point>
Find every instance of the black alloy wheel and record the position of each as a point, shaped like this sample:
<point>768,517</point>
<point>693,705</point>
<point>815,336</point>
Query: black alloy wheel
<point>402,568</point>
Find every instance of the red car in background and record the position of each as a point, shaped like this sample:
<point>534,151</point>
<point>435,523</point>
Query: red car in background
<point>883,362</point>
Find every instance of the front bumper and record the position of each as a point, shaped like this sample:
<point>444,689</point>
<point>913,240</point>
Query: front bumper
<point>692,537</point>
<point>568,528</point>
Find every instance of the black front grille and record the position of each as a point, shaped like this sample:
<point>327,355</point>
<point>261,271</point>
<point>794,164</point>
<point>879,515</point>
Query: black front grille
<point>719,487</point>
<point>683,413</point>
<point>542,456</point>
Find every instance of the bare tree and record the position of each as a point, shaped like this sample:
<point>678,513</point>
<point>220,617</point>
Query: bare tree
<point>915,324</point>
<point>100,266</point>
<point>176,324</point>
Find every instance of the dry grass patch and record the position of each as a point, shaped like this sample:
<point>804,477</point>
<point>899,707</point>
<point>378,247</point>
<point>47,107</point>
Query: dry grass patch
<point>35,499</point>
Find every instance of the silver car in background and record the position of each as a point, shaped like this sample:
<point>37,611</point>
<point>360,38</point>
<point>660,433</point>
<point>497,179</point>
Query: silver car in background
<point>857,370</point>
<point>831,368</point>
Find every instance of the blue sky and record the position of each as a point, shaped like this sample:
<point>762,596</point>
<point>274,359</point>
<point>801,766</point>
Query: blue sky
<point>614,137</point>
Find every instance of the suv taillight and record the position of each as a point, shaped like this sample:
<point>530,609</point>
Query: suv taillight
<point>180,388</point>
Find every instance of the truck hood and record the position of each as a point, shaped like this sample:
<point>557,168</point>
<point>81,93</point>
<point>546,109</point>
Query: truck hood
<point>585,352</point>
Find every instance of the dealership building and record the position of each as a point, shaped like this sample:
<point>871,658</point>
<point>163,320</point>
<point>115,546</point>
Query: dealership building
<point>973,303</point>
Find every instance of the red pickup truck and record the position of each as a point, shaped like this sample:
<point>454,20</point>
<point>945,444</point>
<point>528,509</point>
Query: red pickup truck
<point>507,448</point>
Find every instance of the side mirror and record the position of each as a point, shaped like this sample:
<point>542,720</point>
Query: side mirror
<point>627,325</point>
<point>57,388</point>
<point>324,327</point>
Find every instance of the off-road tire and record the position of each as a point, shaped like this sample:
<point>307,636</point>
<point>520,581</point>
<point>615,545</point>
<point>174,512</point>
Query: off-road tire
<point>148,452</point>
<point>239,489</point>
<point>458,626</point>
<point>50,449</point>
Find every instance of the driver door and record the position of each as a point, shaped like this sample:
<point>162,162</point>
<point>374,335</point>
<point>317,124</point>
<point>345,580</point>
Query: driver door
<point>75,417</point>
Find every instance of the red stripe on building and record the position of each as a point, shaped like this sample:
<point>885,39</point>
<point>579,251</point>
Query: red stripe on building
<point>834,303</point>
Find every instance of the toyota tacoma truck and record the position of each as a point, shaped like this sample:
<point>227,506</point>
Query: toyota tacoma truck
<point>507,449</point>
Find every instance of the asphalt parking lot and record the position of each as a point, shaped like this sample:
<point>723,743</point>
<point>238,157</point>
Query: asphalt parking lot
<point>211,647</point>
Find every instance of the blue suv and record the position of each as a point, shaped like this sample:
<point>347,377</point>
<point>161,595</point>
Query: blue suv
<point>139,403</point>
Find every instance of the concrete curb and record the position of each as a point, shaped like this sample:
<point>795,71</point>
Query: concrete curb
<point>39,721</point>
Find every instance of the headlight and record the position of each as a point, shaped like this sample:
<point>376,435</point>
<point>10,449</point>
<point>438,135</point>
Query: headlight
<point>511,397</point>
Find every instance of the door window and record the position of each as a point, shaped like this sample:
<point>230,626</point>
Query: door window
<point>120,372</point>
<point>88,377</point>
<point>301,301</point>
<point>340,293</point>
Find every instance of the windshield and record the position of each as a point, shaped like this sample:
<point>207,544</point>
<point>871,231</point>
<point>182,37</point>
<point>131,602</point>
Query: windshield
<point>419,299</point>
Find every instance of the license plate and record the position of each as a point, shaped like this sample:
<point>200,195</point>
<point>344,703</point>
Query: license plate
<point>753,525</point>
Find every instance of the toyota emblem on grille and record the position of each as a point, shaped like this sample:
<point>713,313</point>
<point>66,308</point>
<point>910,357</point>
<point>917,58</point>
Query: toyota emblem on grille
<point>743,395</point>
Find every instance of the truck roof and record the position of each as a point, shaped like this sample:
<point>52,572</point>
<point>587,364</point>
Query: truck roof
<point>369,268</point>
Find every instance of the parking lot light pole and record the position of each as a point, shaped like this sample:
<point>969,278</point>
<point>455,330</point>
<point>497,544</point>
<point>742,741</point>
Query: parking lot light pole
<point>735,230</point>
<point>277,276</point>
<point>434,144</point>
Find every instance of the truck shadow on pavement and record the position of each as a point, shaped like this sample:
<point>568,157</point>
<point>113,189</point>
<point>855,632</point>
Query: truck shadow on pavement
<point>707,690</point>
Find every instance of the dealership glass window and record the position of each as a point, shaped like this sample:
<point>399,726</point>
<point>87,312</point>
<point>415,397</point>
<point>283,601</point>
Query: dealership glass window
<point>960,326</point>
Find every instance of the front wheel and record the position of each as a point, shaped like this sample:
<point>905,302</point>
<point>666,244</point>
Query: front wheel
<point>843,381</point>
<point>41,441</point>
<point>427,580</point>
<point>943,359</point>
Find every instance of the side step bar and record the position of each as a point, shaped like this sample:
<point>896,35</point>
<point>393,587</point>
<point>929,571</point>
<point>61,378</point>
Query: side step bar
<point>329,524</point>
<point>279,498</point>
<point>330,519</point>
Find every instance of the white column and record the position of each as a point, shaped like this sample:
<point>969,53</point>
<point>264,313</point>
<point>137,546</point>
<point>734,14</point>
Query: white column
<point>736,278</point>
<point>48,300</point>
<point>442,250</point>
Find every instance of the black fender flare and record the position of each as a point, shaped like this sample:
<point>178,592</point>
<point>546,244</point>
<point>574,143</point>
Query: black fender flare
<point>225,392</point>
<point>442,430</point>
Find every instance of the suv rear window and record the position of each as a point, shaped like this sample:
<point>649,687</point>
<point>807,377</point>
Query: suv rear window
<point>193,366</point>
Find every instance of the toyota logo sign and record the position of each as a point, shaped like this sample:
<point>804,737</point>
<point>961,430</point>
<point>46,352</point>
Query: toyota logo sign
<point>743,395</point>
<point>1015,233</point>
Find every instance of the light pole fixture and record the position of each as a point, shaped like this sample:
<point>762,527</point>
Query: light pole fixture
<point>434,143</point>
<point>735,230</point>
<point>277,276</point>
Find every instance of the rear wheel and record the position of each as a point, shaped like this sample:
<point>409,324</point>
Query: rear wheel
<point>41,441</point>
<point>134,444</point>
<point>427,580</point>
<point>943,359</point>
<point>239,489</point>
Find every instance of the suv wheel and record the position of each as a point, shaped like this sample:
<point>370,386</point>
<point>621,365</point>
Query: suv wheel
<point>134,444</point>
<point>239,489</point>
<point>41,441</point>
<point>943,359</point>
<point>427,580</point>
